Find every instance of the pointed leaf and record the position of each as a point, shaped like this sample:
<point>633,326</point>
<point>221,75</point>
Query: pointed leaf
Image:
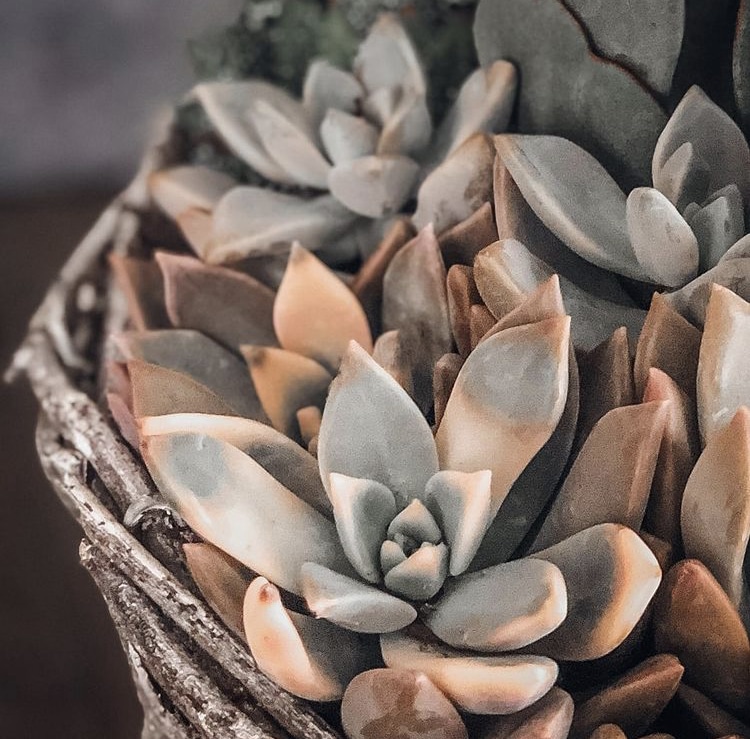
<point>142,284</point>
<point>230,307</point>
<point>715,137</point>
<point>327,87</point>
<point>284,460</point>
<point>457,187</point>
<point>363,510</point>
<point>371,429</point>
<point>505,272</point>
<point>677,457</point>
<point>230,500</point>
<point>483,105</point>
<point>484,685</point>
<point>352,604</point>
<point>374,186</point>
<point>157,390</point>
<point>716,505</point>
<point>719,224</point>
<point>606,382</point>
<point>516,220</point>
<point>222,580</point>
<point>637,432</point>
<point>708,716</point>
<point>393,354</point>
<point>290,146</point>
<point>491,422</point>
<point>312,659</point>
<point>504,607</point>
<point>574,196</point>
<point>663,243</point>
<point>408,129</point>
<point>685,177</point>
<point>286,382</point>
<point>691,301</point>
<point>462,242</point>
<point>723,383</point>
<point>416,304</point>
<point>462,294</point>
<point>194,354</point>
<point>695,620</point>
<point>228,106</point>
<point>184,188</point>
<point>315,313</point>
<point>253,221</point>
<point>611,576</point>
<point>670,343</point>
<point>346,137</point>
<point>635,700</point>
<point>387,58</point>
<point>421,575</point>
<point>462,504</point>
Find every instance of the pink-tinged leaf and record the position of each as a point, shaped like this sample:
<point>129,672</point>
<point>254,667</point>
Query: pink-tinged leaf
<point>716,505</point>
<point>637,432</point>
<point>723,383</point>
<point>462,294</point>
<point>444,378</point>
<point>670,343</point>
<point>228,306</point>
<point>679,452</point>
<point>611,576</point>
<point>286,382</point>
<point>184,188</point>
<point>462,242</point>
<point>491,420</point>
<point>316,314</point>
<point>231,501</point>
<point>141,283</point>
<point>310,658</point>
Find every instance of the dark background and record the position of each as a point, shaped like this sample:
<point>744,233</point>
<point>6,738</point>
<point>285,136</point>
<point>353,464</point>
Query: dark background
<point>80,81</point>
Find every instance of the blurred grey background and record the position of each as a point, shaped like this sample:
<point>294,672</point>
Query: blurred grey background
<point>80,82</point>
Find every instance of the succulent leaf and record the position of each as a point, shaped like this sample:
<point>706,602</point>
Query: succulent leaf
<point>695,620</point>
<point>611,576</point>
<point>462,503</point>
<point>637,431</point>
<point>549,718</point>
<point>462,242</point>
<point>351,603</point>
<point>475,684</point>
<point>716,504</point>
<point>227,306</point>
<point>252,222</point>
<point>715,137</point>
<point>183,188</point>
<point>602,120</point>
<point>281,457</point>
<point>347,137</point>
<point>194,354</point>
<point>315,314</point>
<point>487,424</point>
<point>310,658</point>
<point>371,429</point>
<point>285,383</point>
<point>458,187</point>
<point>363,510</point>
<point>634,701</point>
<point>398,703</point>
<point>719,224</point>
<point>421,575</point>
<point>328,88</point>
<point>222,581</point>
<point>723,364</point>
<point>501,608</point>
<point>231,501</point>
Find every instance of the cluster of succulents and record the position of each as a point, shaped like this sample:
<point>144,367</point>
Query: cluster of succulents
<point>463,427</point>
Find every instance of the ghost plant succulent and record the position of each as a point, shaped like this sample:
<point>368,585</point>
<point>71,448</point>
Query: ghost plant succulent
<point>503,455</point>
<point>351,153</point>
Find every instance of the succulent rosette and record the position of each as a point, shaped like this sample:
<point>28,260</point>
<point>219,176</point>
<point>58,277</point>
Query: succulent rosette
<point>497,464</point>
<point>350,155</point>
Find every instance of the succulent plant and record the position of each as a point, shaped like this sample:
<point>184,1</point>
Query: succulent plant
<point>490,478</point>
<point>353,151</point>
